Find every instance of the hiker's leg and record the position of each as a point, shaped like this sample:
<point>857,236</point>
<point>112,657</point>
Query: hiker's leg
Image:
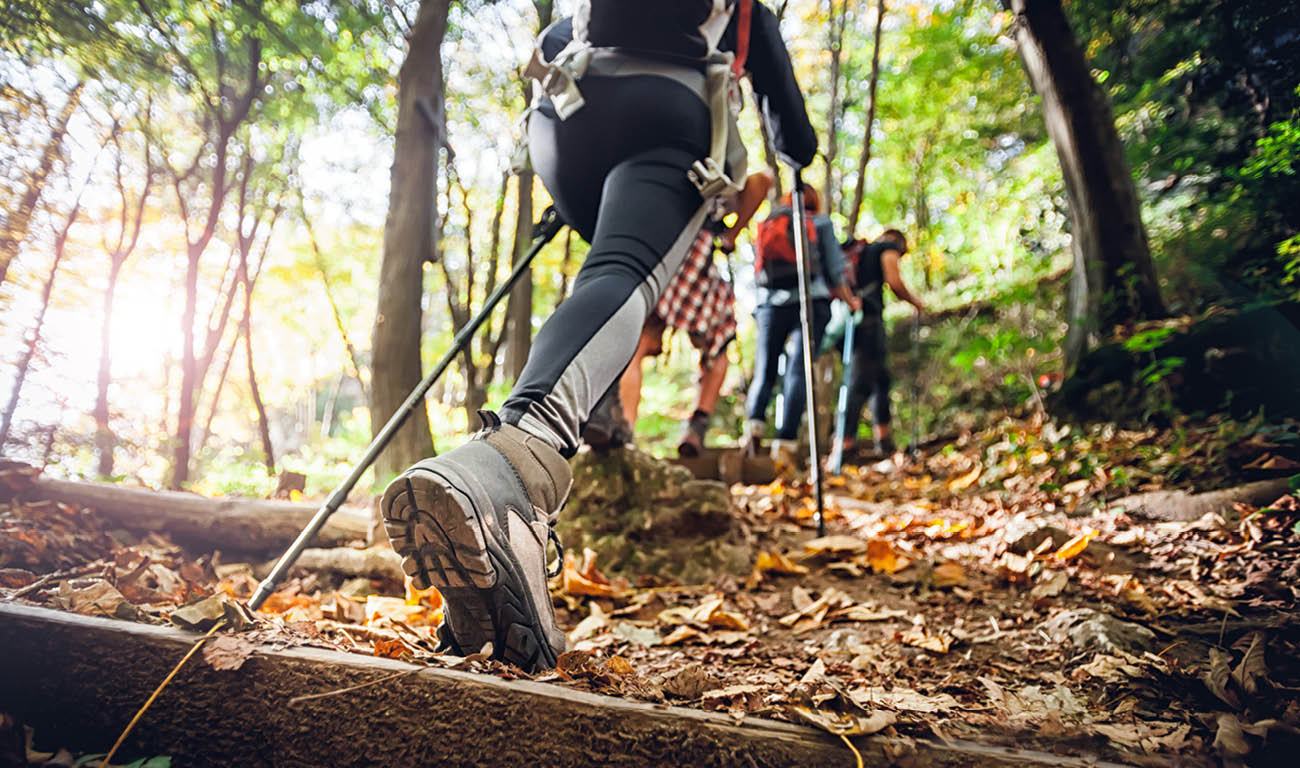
<point>712,376</point>
<point>859,385</point>
<point>794,389</point>
<point>649,214</point>
<point>629,384</point>
<point>772,326</point>
<point>879,401</point>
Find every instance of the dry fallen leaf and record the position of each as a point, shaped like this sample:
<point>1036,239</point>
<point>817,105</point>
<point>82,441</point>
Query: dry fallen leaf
<point>710,613</point>
<point>1216,678</point>
<point>683,632</point>
<point>1076,545</point>
<point>227,652</point>
<point>949,574</point>
<point>834,546</point>
<point>689,682</point>
<point>586,580</point>
<point>962,482</point>
<point>844,723</point>
<point>902,699</point>
<point>922,639</point>
<point>775,562</point>
<point>1252,667</point>
<point>589,626</point>
<point>1050,585</point>
<point>1229,738</point>
<point>882,558</point>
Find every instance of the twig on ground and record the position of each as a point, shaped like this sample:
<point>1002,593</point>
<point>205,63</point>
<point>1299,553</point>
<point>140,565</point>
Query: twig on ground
<point>350,688</point>
<point>57,576</point>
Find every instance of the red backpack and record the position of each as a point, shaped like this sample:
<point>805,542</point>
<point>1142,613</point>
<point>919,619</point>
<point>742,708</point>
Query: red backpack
<point>775,265</point>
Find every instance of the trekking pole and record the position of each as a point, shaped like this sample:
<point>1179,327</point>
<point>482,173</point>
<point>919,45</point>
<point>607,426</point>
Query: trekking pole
<point>805,325</point>
<point>543,232</point>
<point>915,449</point>
<point>836,461</point>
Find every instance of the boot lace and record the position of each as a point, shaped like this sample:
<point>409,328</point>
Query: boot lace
<point>554,538</point>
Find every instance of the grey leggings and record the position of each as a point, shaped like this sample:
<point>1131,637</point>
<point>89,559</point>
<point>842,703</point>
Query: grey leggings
<point>616,170</point>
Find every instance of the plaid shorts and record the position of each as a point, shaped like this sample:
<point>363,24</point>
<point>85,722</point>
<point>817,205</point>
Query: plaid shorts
<point>699,302</point>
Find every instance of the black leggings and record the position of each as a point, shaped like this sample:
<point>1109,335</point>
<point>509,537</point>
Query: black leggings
<point>616,170</point>
<point>869,377</point>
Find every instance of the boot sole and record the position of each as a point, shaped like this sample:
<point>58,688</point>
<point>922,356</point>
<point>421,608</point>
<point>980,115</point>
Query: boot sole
<point>443,541</point>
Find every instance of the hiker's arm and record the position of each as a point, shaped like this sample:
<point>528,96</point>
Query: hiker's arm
<point>832,258</point>
<point>894,278</point>
<point>750,197</point>
<point>779,97</point>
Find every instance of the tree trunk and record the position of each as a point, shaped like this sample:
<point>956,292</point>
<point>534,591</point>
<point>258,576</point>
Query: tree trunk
<point>25,362</point>
<point>18,222</point>
<point>185,404</point>
<point>835,43</point>
<point>216,393</point>
<point>263,426</point>
<point>408,241</point>
<point>1119,283</point>
<point>103,434</point>
<point>864,157</point>
<point>519,310</point>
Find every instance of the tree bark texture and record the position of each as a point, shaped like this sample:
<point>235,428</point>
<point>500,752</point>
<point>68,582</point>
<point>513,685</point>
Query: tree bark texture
<point>864,156</point>
<point>1108,237</point>
<point>408,241</point>
<point>17,223</point>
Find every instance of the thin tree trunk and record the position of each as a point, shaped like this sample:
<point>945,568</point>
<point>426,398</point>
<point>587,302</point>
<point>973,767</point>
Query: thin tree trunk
<point>835,43</point>
<point>408,241</point>
<point>1118,284</point>
<point>263,425</point>
<point>216,393</point>
<point>17,223</point>
<point>25,362</point>
<point>329,293</point>
<point>864,156</point>
<point>519,310</point>
<point>103,434</point>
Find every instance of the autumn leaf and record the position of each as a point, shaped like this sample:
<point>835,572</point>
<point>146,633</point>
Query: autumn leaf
<point>1216,678</point>
<point>964,481</point>
<point>922,639</point>
<point>882,558</point>
<point>711,613</point>
<point>586,580</point>
<point>227,652</point>
<point>1252,668</point>
<point>775,562</point>
<point>949,574</point>
<point>834,546</point>
<point>845,723</point>
<point>1074,546</point>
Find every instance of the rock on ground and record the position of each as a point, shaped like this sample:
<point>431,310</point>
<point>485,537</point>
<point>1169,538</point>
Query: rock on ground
<point>646,516</point>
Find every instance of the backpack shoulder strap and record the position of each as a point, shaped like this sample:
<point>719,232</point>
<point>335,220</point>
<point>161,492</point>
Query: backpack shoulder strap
<point>744,12</point>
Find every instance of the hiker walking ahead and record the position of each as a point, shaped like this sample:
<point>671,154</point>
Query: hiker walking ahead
<point>777,316</point>
<point>877,265</point>
<point>625,136</point>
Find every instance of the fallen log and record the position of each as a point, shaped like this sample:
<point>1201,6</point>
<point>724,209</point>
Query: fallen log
<point>77,680</point>
<point>1184,506</point>
<point>230,524</point>
<point>379,562</point>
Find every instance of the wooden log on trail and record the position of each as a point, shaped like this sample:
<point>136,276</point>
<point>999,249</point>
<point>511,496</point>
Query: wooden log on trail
<point>1184,506</point>
<point>231,524</point>
<point>77,681</point>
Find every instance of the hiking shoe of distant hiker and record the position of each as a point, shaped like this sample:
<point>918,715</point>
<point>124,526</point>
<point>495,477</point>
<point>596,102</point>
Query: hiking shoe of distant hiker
<point>885,447</point>
<point>606,427</point>
<point>786,453</point>
<point>752,438</point>
<point>475,523</point>
<point>692,442</point>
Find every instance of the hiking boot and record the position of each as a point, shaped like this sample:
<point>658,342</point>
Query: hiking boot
<point>606,427</point>
<point>475,522</point>
<point>885,446</point>
<point>751,440</point>
<point>692,442</point>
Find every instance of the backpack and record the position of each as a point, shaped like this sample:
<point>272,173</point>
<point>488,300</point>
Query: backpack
<point>775,263</point>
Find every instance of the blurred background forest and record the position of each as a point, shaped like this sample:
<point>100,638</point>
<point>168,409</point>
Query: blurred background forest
<point>194,197</point>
